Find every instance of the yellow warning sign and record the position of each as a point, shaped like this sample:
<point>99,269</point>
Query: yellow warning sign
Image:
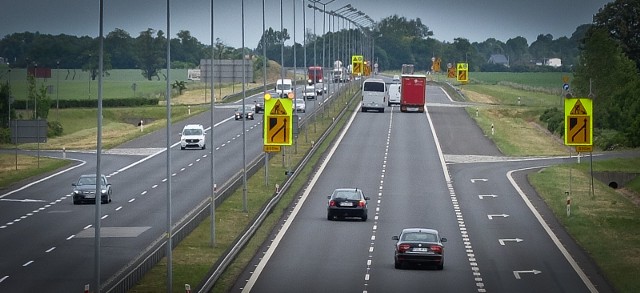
<point>463,72</point>
<point>356,58</point>
<point>451,72</point>
<point>578,109</point>
<point>578,121</point>
<point>356,68</point>
<point>277,107</point>
<point>278,130</point>
<point>278,123</point>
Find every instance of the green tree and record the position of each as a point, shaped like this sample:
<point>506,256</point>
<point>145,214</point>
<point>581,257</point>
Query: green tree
<point>621,19</point>
<point>603,71</point>
<point>150,52</point>
<point>5,99</point>
<point>39,95</point>
<point>518,51</point>
<point>118,44</point>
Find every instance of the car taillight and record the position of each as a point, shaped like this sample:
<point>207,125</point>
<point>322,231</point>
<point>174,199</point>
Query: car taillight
<point>403,247</point>
<point>436,248</point>
<point>362,204</point>
<point>332,203</point>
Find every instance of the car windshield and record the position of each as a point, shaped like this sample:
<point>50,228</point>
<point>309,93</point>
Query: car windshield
<point>310,89</point>
<point>88,181</point>
<point>281,86</point>
<point>346,194</point>
<point>419,236</point>
<point>193,131</point>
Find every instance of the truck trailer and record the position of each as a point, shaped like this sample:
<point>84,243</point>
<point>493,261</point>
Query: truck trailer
<point>413,92</point>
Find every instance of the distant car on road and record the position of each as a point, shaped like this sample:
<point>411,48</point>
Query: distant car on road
<point>347,202</point>
<point>299,105</point>
<point>395,79</point>
<point>419,246</point>
<point>309,92</point>
<point>258,106</point>
<point>193,136</point>
<point>248,112</point>
<point>84,190</point>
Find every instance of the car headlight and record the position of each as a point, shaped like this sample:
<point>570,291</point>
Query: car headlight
<point>104,191</point>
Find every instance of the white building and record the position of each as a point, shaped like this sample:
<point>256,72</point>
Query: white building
<point>553,62</point>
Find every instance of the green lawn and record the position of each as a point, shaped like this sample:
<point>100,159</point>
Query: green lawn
<point>116,85</point>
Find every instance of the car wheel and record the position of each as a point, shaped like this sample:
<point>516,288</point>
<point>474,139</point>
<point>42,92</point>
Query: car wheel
<point>329,217</point>
<point>204,146</point>
<point>397,264</point>
<point>76,202</point>
<point>364,218</point>
<point>440,267</point>
<point>182,148</point>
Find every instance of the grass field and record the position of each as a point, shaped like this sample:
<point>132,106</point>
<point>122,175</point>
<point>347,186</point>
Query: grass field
<point>548,80</point>
<point>77,84</point>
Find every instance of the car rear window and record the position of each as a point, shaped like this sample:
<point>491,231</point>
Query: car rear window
<point>373,86</point>
<point>417,236</point>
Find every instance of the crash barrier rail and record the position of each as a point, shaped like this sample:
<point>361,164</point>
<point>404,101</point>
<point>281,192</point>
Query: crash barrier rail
<point>127,277</point>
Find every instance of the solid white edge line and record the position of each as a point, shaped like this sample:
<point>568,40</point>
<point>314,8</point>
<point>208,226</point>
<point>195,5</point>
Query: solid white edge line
<point>546,227</point>
<point>274,244</point>
<point>45,178</point>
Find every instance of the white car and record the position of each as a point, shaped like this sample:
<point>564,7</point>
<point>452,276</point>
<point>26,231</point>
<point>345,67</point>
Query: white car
<point>395,79</point>
<point>309,92</point>
<point>299,106</point>
<point>192,136</point>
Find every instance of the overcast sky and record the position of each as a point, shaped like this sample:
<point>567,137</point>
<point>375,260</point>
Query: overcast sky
<point>475,20</point>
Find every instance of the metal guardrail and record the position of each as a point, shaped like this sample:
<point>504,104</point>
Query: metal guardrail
<point>127,277</point>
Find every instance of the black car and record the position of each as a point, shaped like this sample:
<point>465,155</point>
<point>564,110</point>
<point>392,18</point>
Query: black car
<point>248,112</point>
<point>419,246</point>
<point>84,190</point>
<point>347,202</point>
<point>258,106</point>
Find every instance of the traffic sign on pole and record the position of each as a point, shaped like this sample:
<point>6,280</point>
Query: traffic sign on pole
<point>578,122</point>
<point>463,72</point>
<point>278,122</point>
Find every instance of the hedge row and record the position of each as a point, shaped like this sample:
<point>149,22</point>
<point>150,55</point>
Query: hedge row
<point>111,103</point>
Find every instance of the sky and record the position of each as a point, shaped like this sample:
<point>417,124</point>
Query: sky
<point>475,20</point>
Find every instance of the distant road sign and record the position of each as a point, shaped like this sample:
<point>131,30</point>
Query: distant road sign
<point>278,123</point>
<point>565,86</point>
<point>463,72</point>
<point>578,122</point>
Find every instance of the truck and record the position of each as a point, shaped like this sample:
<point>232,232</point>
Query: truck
<point>316,78</point>
<point>339,72</point>
<point>315,74</point>
<point>413,92</point>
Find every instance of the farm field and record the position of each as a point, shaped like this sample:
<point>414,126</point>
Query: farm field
<point>548,80</point>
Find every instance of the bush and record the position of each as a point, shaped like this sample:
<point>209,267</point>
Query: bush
<point>54,128</point>
<point>554,119</point>
<point>5,135</point>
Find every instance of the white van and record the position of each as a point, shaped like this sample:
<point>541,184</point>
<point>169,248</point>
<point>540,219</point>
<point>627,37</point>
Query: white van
<point>394,94</point>
<point>284,87</point>
<point>374,95</point>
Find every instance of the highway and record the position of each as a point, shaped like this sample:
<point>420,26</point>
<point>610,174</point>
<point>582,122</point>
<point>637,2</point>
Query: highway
<point>434,170</point>
<point>47,243</point>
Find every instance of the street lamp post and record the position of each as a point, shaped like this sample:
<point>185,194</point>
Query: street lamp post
<point>58,90</point>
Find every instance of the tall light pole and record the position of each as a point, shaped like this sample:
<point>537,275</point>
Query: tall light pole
<point>169,234</point>
<point>212,137</point>
<point>58,91</point>
<point>98,213</point>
